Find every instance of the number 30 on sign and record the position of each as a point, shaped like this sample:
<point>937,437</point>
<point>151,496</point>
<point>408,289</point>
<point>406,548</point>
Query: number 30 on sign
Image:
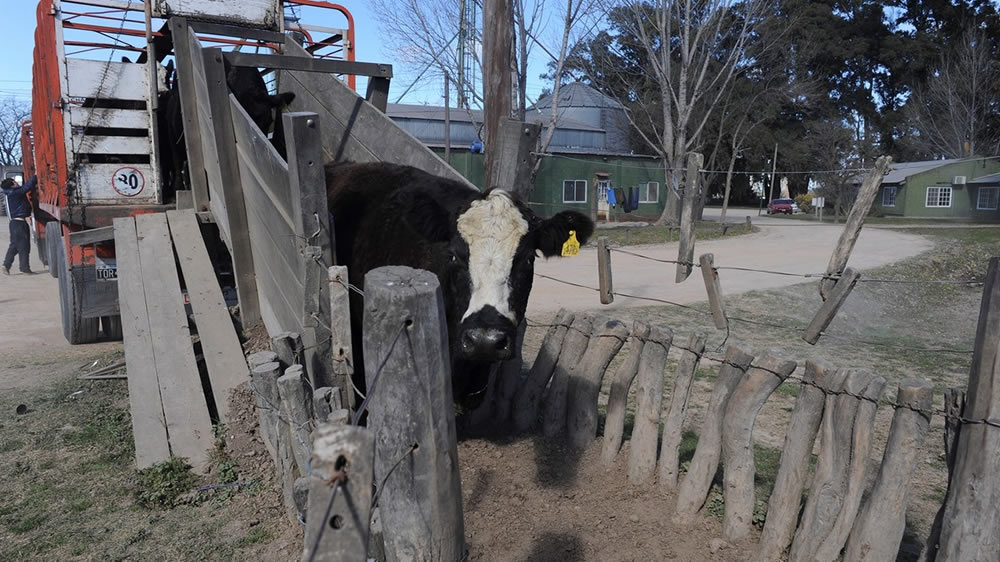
<point>128,181</point>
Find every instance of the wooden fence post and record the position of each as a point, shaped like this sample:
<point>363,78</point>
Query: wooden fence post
<point>529,396</point>
<point>714,289</point>
<point>972,512</point>
<point>585,381</point>
<point>954,403</point>
<point>829,309</point>
<point>673,422</point>
<point>698,480</point>
<point>783,506</point>
<point>685,247</point>
<point>604,270</point>
<point>574,346</point>
<point>296,405</point>
<point>408,371</point>
<point>879,527</point>
<point>830,548</point>
<point>340,334</point>
<point>339,512</point>
<point>649,403</point>
<point>288,347</point>
<point>737,440</point>
<point>855,220</point>
<point>614,421</point>
<point>275,430</point>
<point>826,494</point>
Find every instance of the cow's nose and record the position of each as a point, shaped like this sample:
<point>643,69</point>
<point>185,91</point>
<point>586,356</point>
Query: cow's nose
<point>486,343</point>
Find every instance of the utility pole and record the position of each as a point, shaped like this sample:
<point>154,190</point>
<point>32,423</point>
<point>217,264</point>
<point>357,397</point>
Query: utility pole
<point>774,166</point>
<point>497,22</point>
<point>447,119</point>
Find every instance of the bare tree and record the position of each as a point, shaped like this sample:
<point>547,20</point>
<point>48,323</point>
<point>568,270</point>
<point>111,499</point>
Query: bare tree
<point>836,151</point>
<point>693,49</point>
<point>13,112</point>
<point>949,111</point>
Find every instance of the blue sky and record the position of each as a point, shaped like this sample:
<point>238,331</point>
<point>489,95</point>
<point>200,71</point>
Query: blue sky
<point>17,40</point>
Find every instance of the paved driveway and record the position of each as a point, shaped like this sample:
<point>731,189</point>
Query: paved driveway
<point>782,244</point>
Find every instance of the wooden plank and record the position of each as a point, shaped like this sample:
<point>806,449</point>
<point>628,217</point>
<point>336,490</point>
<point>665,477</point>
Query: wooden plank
<point>315,319</point>
<point>880,525</point>
<point>410,409</point>
<point>855,220</point>
<point>231,189</point>
<point>96,144</point>
<point>326,66</point>
<point>95,184</point>
<point>219,342</point>
<point>242,32</point>
<point>262,160</point>
<point>92,236</point>
<point>149,430</point>
<point>307,182</point>
<point>685,246</point>
<point>106,80</point>
<point>355,130</point>
<point>108,117</point>
<point>184,199</point>
<point>184,56</point>
<point>274,249</point>
<point>972,510</point>
<point>207,88</point>
<point>184,406</point>
<point>604,270</point>
<point>829,309</point>
<point>250,13</point>
<point>714,289</point>
<point>378,93</point>
<point>337,526</point>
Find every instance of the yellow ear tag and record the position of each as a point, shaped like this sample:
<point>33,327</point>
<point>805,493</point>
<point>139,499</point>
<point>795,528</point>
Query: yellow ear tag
<point>571,247</point>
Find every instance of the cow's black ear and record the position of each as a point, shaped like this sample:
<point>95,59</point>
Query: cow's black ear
<point>552,233</point>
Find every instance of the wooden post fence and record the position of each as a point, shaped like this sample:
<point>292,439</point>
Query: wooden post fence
<point>614,421</point>
<point>649,399</point>
<point>574,346</point>
<point>529,395</point>
<point>585,381</point>
<point>673,421</point>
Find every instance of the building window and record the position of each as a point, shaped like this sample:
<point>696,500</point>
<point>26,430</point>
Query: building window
<point>603,187</point>
<point>988,198</point>
<point>939,197</point>
<point>649,193</point>
<point>889,196</point>
<point>574,191</point>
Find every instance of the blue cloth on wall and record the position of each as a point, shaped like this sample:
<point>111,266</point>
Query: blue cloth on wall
<point>612,200</point>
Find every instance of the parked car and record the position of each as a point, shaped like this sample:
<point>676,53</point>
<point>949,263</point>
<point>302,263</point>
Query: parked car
<point>780,206</point>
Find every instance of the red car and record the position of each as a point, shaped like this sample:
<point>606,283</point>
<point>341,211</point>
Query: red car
<point>780,206</point>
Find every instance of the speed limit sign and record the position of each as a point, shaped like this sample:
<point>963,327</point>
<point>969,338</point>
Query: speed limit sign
<point>128,181</point>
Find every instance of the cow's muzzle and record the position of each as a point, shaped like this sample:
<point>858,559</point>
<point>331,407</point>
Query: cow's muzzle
<point>486,344</point>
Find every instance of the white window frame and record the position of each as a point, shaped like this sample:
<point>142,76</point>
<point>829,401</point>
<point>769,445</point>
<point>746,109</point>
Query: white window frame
<point>603,187</point>
<point>885,195</point>
<point>979,198</point>
<point>939,190</point>
<point>644,193</point>
<point>575,182</point>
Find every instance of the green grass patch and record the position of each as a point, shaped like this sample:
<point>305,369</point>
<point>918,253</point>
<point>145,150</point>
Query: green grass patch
<point>163,483</point>
<point>652,234</point>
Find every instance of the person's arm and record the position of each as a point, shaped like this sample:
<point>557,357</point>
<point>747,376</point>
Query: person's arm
<point>30,185</point>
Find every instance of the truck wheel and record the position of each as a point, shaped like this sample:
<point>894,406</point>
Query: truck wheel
<point>76,328</point>
<point>53,239</point>
<point>112,326</point>
<point>42,248</point>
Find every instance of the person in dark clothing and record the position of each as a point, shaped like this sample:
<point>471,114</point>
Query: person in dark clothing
<point>19,209</point>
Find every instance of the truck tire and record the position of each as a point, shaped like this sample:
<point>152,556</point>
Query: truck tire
<point>53,239</point>
<point>76,328</point>
<point>112,326</point>
<point>42,248</point>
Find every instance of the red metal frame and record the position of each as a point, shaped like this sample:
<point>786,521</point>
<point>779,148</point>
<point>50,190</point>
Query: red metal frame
<point>349,46</point>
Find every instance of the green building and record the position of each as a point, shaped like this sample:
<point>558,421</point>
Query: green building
<point>963,189</point>
<point>587,157</point>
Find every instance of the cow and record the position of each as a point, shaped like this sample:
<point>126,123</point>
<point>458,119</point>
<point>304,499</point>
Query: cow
<point>481,246</point>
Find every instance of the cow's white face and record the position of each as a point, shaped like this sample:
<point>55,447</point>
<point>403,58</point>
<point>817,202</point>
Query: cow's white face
<point>492,228</point>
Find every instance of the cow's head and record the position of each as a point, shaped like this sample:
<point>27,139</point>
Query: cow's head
<point>487,248</point>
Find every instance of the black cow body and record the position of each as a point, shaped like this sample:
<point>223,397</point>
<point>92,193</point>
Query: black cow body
<point>481,247</point>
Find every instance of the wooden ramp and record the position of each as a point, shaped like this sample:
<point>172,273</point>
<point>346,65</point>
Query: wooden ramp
<point>170,411</point>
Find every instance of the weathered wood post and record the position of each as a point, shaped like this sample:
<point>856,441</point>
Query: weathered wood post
<point>737,440</point>
<point>574,346</point>
<point>529,396</point>
<point>340,494</point>
<point>649,400</point>
<point>855,220</point>
<point>408,374</point>
<point>783,506</point>
<point>834,300</point>
<point>879,527</point>
<point>288,347</point>
<point>861,443</point>
<point>296,408</point>
<point>713,289</point>
<point>972,512</point>
<point>340,334</point>
<point>826,494</point>
<point>698,480</point>
<point>604,270</point>
<point>685,247</point>
<point>614,422</point>
<point>274,429</point>
<point>673,422</point>
<point>585,381</point>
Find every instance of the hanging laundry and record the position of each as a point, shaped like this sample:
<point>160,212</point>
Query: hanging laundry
<point>612,199</point>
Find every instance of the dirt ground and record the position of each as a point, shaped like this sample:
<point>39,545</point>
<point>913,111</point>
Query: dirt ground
<point>525,499</point>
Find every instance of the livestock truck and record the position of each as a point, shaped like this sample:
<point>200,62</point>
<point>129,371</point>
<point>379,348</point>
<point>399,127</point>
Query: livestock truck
<point>93,138</point>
